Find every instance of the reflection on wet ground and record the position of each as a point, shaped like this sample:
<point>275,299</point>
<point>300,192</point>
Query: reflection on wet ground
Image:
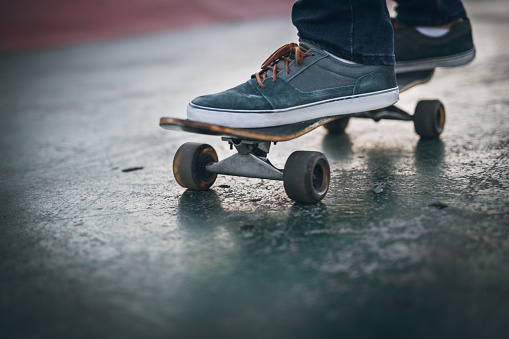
<point>411,240</point>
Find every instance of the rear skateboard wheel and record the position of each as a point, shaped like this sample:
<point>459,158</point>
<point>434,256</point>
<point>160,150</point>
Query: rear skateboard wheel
<point>306,176</point>
<point>338,125</point>
<point>189,166</point>
<point>429,118</point>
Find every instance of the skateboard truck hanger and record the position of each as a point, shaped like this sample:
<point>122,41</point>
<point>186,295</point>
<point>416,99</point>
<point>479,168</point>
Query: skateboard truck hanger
<point>306,175</point>
<point>249,161</point>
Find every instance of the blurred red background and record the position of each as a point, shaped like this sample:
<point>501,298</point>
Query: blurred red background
<point>30,24</point>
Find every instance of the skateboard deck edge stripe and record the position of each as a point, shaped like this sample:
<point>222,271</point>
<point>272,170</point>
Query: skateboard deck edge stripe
<point>203,128</point>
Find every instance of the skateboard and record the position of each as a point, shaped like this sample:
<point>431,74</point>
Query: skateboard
<point>306,174</point>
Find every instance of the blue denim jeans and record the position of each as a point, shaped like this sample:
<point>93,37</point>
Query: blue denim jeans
<point>361,30</point>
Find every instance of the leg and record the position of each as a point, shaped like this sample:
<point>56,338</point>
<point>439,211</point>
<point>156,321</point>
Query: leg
<point>317,78</point>
<point>358,30</point>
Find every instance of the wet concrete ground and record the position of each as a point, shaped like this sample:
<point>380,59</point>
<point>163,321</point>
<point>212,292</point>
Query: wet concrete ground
<point>87,250</point>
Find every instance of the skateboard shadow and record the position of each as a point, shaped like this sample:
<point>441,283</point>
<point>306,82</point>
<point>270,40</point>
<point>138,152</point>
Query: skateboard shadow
<point>307,217</point>
<point>429,153</point>
<point>199,210</point>
<point>429,156</point>
<point>338,146</point>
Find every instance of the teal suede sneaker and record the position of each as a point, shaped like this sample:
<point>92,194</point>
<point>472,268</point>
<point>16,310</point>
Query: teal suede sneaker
<point>416,51</point>
<point>298,83</point>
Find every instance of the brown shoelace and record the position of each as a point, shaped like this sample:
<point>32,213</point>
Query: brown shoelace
<point>282,53</point>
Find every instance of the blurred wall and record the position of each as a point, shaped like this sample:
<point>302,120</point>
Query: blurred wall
<point>30,24</point>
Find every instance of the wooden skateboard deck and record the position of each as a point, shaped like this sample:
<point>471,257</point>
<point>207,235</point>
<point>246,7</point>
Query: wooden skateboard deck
<point>284,132</point>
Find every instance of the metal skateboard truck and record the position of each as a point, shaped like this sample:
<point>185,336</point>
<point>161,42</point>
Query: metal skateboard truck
<point>305,177</point>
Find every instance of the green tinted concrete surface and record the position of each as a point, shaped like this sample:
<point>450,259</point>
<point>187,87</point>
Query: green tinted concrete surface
<point>87,250</point>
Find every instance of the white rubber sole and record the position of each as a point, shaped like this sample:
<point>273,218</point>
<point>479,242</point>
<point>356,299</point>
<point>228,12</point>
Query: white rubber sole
<point>327,108</point>
<point>425,64</point>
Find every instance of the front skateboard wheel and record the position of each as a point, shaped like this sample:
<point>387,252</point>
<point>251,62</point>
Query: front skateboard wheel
<point>306,176</point>
<point>189,166</point>
<point>429,118</point>
<point>338,125</point>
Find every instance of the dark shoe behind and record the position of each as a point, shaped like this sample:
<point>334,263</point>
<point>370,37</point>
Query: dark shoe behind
<point>415,51</point>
